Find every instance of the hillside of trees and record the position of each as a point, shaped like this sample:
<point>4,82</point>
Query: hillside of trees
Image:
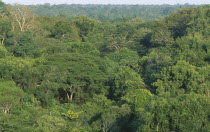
<point>85,75</point>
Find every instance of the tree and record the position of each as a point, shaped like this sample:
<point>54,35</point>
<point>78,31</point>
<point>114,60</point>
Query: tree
<point>123,80</point>
<point>193,48</point>
<point>3,52</point>
<point>137,99</point>
<point>21,16</point>
<point>48,46</point>
<point>161,34</point>
<point>85,25</point>
<point>22,44</point>
<point>26,73</point>
<point>5,27</point>
<point>182,78</point>
<point>23,118</point>
<point>104,115</point>
<point>10,96</point>
<point>2,4</point>
<point>47,123</point>
<point>82,48</point>
<point>65,31</point>
<point>187,21</point>
<point>153,63</point>
<point>120,36</point>
<point>115,118</point>
<point>46,93</point>
<point>77,75</point>
<point>183,113</point>
<point>136,21</point>
<point>126,57</point>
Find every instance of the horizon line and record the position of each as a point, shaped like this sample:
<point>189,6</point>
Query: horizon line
<point>49,4</point>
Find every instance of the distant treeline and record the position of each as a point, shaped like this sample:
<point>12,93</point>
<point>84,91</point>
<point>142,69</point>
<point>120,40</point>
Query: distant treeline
<point>110,13</point>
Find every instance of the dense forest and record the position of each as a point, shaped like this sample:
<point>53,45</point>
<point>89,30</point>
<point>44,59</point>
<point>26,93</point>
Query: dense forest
<point>110,13</point>
<point>63,73</point>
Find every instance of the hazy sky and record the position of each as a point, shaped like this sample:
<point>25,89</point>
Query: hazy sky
<point>27,2</point>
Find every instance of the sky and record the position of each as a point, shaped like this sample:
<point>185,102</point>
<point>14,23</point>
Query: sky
<point>52,2</point>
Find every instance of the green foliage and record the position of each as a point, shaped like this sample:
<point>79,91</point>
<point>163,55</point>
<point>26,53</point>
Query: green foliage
<point>153,63</point>
<point>49,46</point>
<point>10,96</point>
<point>21,119</point>
<point>110,13</point>
<point>176,114</point>
<point>137,99</point>
<point>2,4</point>
<point>23,71</point>
<point>82,48</point>
<point>46,93</point>
<point>47,123</point>
<point>3,52</point>
<point>78,74</point>
<point>122,74</point>
<point>189,20</point>
<point>22,44</point>
<point>85,25</point>
<point>161,34</point>
<point>65,31</point>
<point>119,36</point>
<point>181,78</point>
<point>123,80</point>
<point>126,57</point>
<point>5,27</point>
<point>193,48</point>
<point>104,115</point>
<point>71,114</point>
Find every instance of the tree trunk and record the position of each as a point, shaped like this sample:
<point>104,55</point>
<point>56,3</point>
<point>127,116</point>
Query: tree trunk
<point>71,96</point>
<point>5,111</point>
<point>68,96</point>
